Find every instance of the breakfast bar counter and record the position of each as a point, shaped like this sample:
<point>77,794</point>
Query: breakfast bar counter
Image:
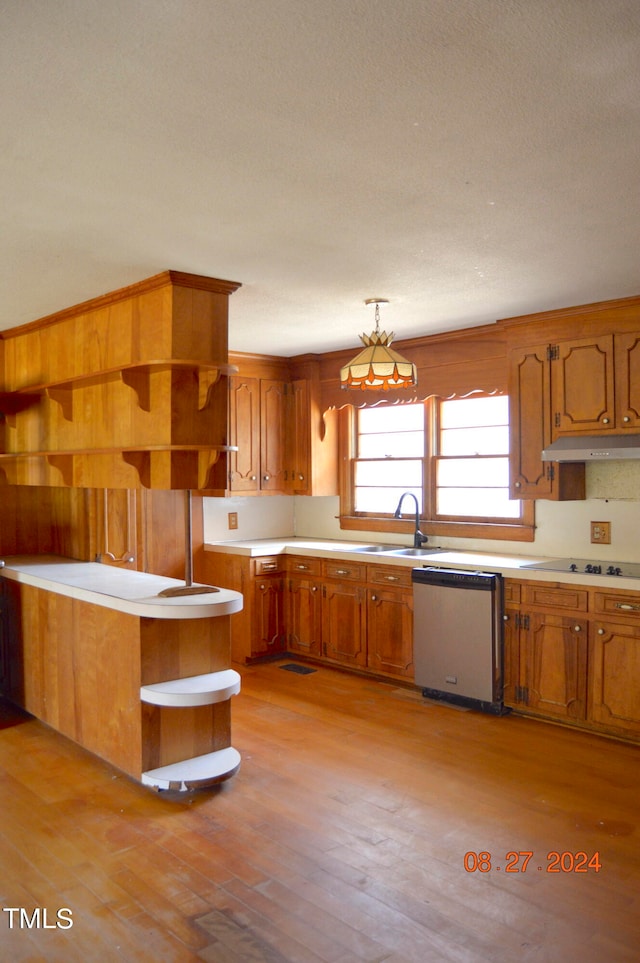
<point>141,679</point>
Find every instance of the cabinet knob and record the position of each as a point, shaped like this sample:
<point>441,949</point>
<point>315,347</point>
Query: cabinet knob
<point>505,618</point>
<point>262,586</point>
<point>374,598</point>
<point>600,631</point>
<point>301,477</point>
<point>314,588</point>
<point>626,419</point>
<point>605,421</point>
<point>517,485</point>
<point>577,628</point>
<point>253,477</point>
<point>266,477</point>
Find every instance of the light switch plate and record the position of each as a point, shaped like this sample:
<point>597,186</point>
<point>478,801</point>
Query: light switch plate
<point>232,519</point>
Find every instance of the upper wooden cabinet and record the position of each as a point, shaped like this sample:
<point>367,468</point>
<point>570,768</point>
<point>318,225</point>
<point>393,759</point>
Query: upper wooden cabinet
<point>530,430</point>
<point>285,445</point>
<point>258,424</point>
<point>563,384</point>
<point>595,384</point>
<point>130,390</point>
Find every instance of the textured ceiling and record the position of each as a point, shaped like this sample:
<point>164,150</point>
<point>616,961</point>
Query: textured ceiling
<point>467,160</point>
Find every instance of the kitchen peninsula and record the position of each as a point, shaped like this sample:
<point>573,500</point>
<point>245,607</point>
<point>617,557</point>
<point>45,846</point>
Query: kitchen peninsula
<point>141,679</point>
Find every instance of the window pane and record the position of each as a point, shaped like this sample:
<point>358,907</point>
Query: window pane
<point>392,445</point>
<point>474,472</point>
<point>475,441</point>
<point>401,474</point>
<point>384,500</point>
<point>466,412</point>
<point>477,502</point>
<point>388,418</point>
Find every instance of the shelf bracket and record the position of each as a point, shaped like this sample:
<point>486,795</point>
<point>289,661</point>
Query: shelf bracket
<point>64,397</point>
<point>139,380</point>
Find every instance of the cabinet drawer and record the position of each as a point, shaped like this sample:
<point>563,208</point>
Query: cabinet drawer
<point>344,570</point>
<point>267,564</point>
<point>551,596</point>
<point>296,565</point>
<point>625,604</point>
<point>389,575</point>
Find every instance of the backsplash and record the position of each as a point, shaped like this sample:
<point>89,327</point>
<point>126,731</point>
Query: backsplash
<point>562,528</point>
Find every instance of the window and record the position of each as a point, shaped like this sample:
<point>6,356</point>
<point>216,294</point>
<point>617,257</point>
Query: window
<point>452,454</point>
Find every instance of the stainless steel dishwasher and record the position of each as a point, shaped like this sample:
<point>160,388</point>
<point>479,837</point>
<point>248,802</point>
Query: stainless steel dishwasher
<point>457,636</point>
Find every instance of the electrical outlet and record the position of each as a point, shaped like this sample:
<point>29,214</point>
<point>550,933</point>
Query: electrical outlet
<point>233,519</point>
<point>601,533</point>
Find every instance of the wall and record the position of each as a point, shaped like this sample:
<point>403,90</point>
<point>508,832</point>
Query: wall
<point>562,528</point>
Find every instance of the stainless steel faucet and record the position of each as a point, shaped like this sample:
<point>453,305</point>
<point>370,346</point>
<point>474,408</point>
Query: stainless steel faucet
<point>418,537</point>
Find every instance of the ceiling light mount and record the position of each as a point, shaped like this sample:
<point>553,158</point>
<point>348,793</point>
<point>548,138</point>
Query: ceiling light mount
<point>378,367</point>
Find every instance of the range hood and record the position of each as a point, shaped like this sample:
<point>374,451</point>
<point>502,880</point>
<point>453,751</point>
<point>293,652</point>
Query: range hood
<point>593,448</point>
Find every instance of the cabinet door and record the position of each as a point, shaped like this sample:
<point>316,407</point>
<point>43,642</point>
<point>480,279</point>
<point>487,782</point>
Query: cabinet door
<point>615,676</point>
<point>627,374</point>
<point>390,631</point>
<point>555,665</point>
<point>268,621</point>
<point>529,421</point>
<point>304,620</point>
<point>244,431</point>
<point>530,431</point>
<point>273,433</point>
<point>299,438</point>
<point>344,623</point>
<point>582,386</point>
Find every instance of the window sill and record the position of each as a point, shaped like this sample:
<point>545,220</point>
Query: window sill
<point>517,532</point>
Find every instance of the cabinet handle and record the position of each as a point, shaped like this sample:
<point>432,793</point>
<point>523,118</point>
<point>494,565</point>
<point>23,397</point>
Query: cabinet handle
<point>343,571</point>
<point>577,628</point>
<point>268,566</point>
<point>600,631</point>
<point>627,607</point>
<point>301,477</point>
<point>253,477</point>
<point>392,578</point>
<point>262,586</point>
<point>517,485</point>
<point>266,477</point>
<point>314,588</point>
<point>626,419</point>
<point>374,598</point>
<point>605,421</point>
<point>505,618</point>
<point>303,568</point>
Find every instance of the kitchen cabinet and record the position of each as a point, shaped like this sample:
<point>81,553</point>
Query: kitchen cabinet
<point>595,384</point>
<point>259,629</point>
<point>530,431</point>
<point>390,620</point>
<point>285,443</point>
<point>545,641</point>
<point>258,428</point>
<point>303,611</point>
<point>614,690</point>
<point>268,636</point>
<point>125,391</point>
<point>344,626</point>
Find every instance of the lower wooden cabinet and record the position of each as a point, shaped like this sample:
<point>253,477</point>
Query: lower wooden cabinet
<point>565,658</point>
<point>344,623</point>
<point>303,609</point>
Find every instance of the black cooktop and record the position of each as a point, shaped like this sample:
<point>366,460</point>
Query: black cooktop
<point>585,566</point>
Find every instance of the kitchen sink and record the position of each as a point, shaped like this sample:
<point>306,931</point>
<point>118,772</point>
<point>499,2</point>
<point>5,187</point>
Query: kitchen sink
<point>417,551</point>
<point>375,549</point>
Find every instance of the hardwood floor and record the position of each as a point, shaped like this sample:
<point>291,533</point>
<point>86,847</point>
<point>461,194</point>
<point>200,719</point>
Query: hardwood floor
<point>342,839</point>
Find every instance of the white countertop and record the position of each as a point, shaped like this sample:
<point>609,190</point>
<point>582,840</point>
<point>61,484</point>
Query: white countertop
<point>511,566</point>
<point>135,593</point>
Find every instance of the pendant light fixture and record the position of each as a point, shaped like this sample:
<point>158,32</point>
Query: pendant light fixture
<point>378,367</point>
